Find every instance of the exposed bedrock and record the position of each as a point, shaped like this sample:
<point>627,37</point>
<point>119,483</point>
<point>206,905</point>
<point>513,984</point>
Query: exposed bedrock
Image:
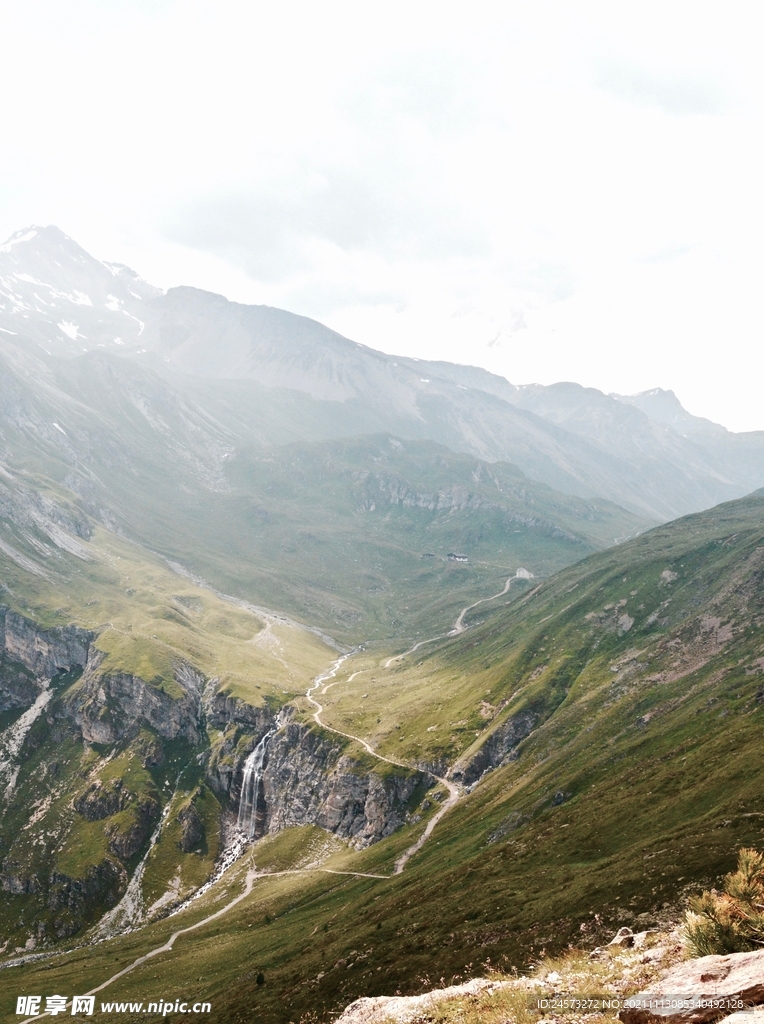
<point>308,779</point>
<point>74,901</point>
<point>498,747</point>
<point>29,655</point>
<point>108,707</point>
<point>238,722</point>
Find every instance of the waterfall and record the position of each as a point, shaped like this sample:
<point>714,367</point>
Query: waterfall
<point>250,786</point>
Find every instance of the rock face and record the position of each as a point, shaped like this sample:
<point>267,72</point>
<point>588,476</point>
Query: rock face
<point>99,801</point>
<point>44,652</point>
<point>126,839</point>
<point>222,710</point>
<point>72,900</point>
<point>108,708</point>
<point>234,718</point>
<point>29,654</point>
<point>702,981</point>
<point>192,828</point>
<point>308,780</point>
<point>498,745</point>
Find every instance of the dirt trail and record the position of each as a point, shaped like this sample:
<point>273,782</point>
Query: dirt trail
<point>457,628</point>
<point>455,793</point>
<point>252,876</point>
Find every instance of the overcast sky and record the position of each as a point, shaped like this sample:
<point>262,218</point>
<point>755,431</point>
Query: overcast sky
<point>556,191</point>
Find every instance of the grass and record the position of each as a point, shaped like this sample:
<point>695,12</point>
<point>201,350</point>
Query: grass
<point>636,787</point>
<point>148,619</point>
<point>351,536</point>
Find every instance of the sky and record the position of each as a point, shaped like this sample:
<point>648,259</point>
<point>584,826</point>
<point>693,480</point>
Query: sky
<point>553,191</point>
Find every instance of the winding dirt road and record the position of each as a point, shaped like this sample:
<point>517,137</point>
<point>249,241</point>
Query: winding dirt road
<point>457,628</point>
<point>455,793</point>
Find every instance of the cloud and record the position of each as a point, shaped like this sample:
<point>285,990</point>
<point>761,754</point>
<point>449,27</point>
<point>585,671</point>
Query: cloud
<point>673,93</point>
<point>271,233</point>
<point>668,254</point>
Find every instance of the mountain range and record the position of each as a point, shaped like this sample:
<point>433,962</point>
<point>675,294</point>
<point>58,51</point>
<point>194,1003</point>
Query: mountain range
<point>269,376</point>
<point>364,669</point>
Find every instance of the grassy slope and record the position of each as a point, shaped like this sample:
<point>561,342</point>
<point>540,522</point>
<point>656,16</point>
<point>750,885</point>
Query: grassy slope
<point>147,620</point>
<point>650,736</point>
<point>325,531</point>
<point>353,535</point>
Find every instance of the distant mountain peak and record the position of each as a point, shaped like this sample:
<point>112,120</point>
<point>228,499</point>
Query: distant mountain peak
<point>662,406</point>
<point>54,292</point>
<point>40,236</point>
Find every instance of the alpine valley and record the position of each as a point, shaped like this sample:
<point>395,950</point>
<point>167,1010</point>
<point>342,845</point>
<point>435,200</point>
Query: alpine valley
<point>326,673</point>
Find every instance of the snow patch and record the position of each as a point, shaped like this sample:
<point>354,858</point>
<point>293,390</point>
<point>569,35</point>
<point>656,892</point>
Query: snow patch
<point>113,303</point>
<point>70,330</point>
<point>20,236</point>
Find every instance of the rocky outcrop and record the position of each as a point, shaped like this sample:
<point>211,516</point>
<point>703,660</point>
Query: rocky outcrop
<point>29,655</point>
<point>410,1009</point>
<point>307,779</point>
<point>99,801</point>
<point>705,982</point>
<point>18,686</point>
<point>75,901</point>
<point>127,838</point>
<point>109,707</point>
<point>191,828</point>
<point>497,748</point>
<point>43,652</point>
<point>238,721</point>
<point>222,710</point>
<point>15,879</point>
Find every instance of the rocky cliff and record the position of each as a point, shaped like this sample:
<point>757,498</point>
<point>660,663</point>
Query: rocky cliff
<point>29,655</point>
<point>308,777</point>
<point>108,707</point>
<point>498,747</point>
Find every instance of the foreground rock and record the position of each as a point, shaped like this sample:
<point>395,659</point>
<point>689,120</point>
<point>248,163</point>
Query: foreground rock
<point>698,990</point>
<point>405,1009</point>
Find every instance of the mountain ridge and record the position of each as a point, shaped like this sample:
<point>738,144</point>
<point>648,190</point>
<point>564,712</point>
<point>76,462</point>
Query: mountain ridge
<point>639,451</point>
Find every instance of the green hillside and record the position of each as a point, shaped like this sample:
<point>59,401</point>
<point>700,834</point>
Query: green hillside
<point>607,725</point>
<point>335,533</point>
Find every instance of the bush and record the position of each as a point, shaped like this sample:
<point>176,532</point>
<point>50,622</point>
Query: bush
<point>731,921</point>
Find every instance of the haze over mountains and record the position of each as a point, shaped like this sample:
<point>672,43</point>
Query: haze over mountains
<point>201,505</point>
<point>265,376</point>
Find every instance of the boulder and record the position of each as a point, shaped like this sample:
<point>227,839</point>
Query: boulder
<point>700,990</point>
<point>623,937</point>
<point>192,828</point>
<point>410,1009</point>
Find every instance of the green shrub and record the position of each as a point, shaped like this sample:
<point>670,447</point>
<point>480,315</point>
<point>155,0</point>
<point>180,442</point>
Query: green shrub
<point>731,921</point>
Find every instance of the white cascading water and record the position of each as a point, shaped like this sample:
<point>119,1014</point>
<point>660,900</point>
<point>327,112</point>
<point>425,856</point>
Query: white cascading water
<point>250,786</point>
